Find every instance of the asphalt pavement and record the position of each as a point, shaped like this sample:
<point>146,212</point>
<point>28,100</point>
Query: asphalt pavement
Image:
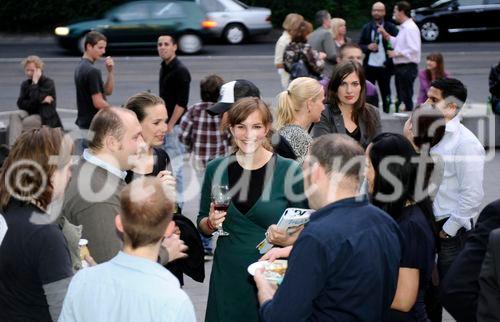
<point>135,72</point>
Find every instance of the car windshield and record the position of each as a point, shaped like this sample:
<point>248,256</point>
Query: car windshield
<point>130,11</point>
<point>212,5</point>
<point>241,4</point>
<point>167,10</point>
<point>440,3</point>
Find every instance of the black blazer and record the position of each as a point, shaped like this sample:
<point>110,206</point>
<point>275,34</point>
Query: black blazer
<point>366,38</point>
<point>488,308</point>
<point>332,122</point>
<point>460,287</point>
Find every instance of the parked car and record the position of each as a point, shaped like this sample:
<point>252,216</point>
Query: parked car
<point>139,24</point>
<point>454,16</point>
<point>236,20</point>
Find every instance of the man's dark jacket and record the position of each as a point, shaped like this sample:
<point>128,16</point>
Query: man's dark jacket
<point>460,287</point>
<point>366,38</point>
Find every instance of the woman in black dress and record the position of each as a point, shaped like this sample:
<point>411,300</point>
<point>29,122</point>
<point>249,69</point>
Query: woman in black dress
<point>392,168</point>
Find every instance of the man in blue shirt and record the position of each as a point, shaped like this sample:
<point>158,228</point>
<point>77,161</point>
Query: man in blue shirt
<point>133,286</point>
<point>344,265</point>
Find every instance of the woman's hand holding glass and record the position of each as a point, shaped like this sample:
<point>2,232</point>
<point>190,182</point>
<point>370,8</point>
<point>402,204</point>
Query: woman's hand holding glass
<point>216,217</point>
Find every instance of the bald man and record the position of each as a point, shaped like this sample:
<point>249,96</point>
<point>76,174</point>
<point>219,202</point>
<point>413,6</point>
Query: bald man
<point>379,67</point>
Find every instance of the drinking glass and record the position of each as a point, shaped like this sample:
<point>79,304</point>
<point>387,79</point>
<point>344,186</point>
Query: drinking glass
<point>221,199</point>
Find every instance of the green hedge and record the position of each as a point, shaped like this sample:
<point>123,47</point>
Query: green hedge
<point>44,15</point>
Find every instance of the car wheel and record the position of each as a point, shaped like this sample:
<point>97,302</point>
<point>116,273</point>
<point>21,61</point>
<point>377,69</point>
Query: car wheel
<point>190,43</point>
<point>235,33</point>
<point>430,31</point>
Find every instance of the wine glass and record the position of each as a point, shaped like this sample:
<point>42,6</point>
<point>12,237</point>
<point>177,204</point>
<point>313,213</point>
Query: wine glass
<point>221,199</point>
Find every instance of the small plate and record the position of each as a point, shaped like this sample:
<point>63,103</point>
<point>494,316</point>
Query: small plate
<point>268,274</point>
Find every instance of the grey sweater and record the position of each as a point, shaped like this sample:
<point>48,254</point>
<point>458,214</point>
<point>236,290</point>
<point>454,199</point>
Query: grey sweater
<point>321,40</point>
<point>92,200</point>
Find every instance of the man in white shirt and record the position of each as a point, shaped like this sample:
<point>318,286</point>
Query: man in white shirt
<point>132,286</point>
<point>461,192</point>
<point>405,54</point>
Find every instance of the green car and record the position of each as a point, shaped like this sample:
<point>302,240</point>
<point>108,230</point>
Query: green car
<point>138,24</point>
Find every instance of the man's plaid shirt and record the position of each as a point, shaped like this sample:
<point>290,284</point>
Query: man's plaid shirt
<point>201,134</point>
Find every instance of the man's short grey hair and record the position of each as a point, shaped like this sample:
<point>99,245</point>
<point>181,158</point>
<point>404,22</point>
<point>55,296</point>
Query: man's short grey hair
<point>320,16</point>
<point>339,153</point>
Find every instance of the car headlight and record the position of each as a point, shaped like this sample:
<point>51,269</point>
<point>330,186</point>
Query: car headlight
<point>62,31</point>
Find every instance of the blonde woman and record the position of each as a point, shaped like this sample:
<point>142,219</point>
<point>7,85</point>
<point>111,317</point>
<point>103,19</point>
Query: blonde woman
<point>298,108</point>
<point>37,93</point>
<point>339,32</point>
<point>290,20</point>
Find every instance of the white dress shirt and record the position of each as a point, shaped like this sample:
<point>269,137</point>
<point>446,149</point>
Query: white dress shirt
<point>377,59</point>
<point>103,164</point>
<point>461,191</point>
<point>407,43</point>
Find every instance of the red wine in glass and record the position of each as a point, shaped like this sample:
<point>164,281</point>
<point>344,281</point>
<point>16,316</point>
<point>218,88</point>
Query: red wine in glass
<point>221,199</point>
<point>221,207</point>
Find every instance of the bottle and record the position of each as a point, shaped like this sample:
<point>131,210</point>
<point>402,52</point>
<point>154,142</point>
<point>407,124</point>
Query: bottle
<point>376,40</point>
<point>389,45</point>
<point>84,251</point>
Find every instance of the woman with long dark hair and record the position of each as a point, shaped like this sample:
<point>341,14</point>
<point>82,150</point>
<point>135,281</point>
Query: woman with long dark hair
<point>397,187</point>
<point>433,71</point>
<point>346,111</point>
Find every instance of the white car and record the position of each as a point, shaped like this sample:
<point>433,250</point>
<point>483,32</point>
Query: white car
<point>235,20</point>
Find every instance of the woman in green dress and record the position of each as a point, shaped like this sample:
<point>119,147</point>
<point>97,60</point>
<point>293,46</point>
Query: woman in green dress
<point>262,186</point>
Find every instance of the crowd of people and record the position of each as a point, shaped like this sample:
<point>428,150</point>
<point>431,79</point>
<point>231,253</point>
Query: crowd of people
<point>396,231</point>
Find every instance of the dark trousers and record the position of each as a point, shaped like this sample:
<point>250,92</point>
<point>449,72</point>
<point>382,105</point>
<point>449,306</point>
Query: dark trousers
<point>405,75</point>
<point>381,77</point>
<point>449,250</point>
